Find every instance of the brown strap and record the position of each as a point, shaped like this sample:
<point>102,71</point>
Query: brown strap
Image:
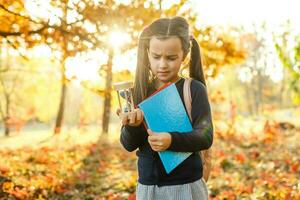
<point>205,154</point>
<point>187,96</point>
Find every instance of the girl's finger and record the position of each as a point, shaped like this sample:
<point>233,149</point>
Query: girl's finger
<point>129,117</point>
<point>139,115</point>
<point>125,119</point>
<point>152,138</point>
<point>155,143</point>
<point>132,117</point>
<point>149,140</point>
<point>155,148</point>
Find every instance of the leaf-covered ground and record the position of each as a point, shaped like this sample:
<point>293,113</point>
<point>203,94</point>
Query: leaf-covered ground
<point>265,165</point>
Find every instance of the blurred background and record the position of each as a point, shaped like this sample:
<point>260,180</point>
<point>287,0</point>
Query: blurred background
<point>60,58</point>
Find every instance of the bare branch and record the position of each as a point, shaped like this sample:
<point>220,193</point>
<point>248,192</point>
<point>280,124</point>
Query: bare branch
<point>16,48</point>
<point>29,71</point>
<point>6,34</point>
<point>18,14</point>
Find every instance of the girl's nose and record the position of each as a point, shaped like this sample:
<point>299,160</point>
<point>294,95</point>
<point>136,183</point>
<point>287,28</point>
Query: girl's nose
<point>163,64</point>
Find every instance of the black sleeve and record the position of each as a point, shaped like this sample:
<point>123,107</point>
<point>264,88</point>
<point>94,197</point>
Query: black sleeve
<point>201,137</point>
<point>132,137</point>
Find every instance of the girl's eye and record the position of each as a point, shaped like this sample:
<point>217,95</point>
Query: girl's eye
<point>168,58</point>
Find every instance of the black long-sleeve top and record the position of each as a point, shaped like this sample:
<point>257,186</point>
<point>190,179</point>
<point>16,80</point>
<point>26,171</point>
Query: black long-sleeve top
<point>150,168</point>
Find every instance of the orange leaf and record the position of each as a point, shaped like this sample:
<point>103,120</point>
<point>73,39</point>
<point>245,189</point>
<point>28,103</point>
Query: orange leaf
<point>132,197</point>
<point>4,170</point>
<point>240,157</point>
<point>7,186</point>
<point>19,194</point>
<point>294,167</point>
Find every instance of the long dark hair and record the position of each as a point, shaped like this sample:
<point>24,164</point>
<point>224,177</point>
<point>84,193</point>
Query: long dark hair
<point>164,28</point>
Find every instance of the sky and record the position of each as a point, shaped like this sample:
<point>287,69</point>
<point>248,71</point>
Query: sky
<point>245,12</point>
<point>219,11</point>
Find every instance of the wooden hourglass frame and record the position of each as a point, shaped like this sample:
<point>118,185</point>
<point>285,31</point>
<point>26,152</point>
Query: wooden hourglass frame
<point>124,90</point>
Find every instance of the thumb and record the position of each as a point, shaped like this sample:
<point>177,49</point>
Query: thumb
<point>150,132</point>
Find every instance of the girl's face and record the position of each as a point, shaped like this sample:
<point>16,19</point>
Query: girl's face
<point>165,57</point>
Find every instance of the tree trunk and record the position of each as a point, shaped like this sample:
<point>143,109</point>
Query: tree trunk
<point>107,98</point>
<point>256,94</point>
<point>60,114</point>
<point>248,98</point>
<point>7,131</point>
<point>159,3</point>
<point>7,117</point>
<point>6,127</point>
<point>282,90</point>
<point>260,85</point>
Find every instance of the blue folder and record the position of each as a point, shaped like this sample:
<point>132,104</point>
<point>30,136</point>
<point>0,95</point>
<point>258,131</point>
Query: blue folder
<point>164,112</point>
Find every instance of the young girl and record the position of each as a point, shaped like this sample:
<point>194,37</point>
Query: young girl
<point>162,48</point>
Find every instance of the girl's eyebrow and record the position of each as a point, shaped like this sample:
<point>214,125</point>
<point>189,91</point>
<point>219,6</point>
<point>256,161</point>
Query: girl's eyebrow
<point>171,55</point>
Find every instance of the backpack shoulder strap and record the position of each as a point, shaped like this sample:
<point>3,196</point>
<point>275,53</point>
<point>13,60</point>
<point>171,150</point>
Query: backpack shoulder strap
<point>205,154</point>
<point>187,96</point>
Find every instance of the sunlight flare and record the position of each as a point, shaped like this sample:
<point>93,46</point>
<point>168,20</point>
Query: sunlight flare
<point>117,39</point>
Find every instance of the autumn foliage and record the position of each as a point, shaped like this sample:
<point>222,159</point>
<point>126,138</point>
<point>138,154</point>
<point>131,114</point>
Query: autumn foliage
<point>263,165</point>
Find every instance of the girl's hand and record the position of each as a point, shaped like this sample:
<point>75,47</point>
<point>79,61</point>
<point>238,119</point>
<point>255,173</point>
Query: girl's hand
<point>134,118</point>
<point>159,141</point>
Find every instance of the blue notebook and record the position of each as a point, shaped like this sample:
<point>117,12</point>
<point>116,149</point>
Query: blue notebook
<point>164,112</point>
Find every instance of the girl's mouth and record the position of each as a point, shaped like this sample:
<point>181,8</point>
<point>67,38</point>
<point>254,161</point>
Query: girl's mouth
<point>163,72</point>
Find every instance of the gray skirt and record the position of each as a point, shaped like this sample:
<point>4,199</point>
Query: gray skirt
<point>190,191</point>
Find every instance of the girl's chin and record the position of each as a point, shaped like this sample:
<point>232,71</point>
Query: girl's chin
<point>164,79</point>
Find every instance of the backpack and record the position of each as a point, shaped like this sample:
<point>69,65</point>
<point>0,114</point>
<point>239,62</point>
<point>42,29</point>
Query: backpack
<point>204,154</point>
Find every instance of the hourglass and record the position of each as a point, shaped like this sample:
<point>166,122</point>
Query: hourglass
<point>124,90</point>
